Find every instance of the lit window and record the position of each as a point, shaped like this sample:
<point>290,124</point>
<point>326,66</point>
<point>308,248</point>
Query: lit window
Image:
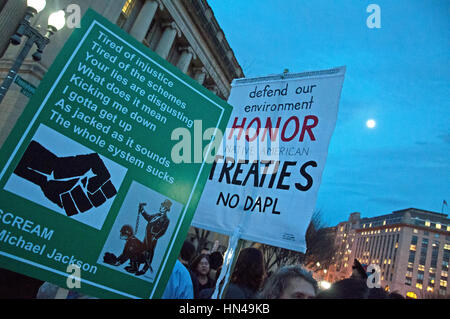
<point>430,289</point>
<point>443,283</point>
<point>411,294</point>
<point>396,245</point>
<point>427,223</point>
<point>419,286</point>
<point>384,222</point>
<point>438,226</point>
<point>412,247</point>
<point>415,231</point>
<point>126,10</point>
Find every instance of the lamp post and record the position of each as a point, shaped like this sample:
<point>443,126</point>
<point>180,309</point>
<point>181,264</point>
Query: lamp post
<point>56,21</point>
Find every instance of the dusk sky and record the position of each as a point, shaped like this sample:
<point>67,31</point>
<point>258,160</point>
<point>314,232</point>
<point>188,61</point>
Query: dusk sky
<point>397,75</point>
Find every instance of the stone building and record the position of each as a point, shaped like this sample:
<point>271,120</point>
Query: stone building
<point>184,32</point>
<point>411,247</point>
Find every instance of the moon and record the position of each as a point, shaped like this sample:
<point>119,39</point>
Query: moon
<point>371,123</point>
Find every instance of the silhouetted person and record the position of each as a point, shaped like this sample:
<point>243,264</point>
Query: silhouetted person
<point>248,275</point>
<point>17,286</point>
<point>187,254</point>
<point>350,288</point>
<point>395,295</point>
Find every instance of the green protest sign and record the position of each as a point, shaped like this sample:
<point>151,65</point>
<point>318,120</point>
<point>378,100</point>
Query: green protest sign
<point>88,177</point>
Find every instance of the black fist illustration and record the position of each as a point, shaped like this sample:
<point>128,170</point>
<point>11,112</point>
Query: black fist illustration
<point>75,183</point>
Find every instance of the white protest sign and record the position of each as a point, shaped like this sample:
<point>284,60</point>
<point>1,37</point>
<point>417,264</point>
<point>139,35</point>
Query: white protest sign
<point>266,180</point>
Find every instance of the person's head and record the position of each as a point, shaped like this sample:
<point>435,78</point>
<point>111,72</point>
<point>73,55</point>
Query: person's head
<point>359,271</point>
<point>216,260</point>
<point>126,232</point>
<point>350,288</point>
<point>249,269</point>
<point>165,206</point>
<point>187,252</point>
<point>395,295</point>
<point>290,282</point>
<point>377,293</point>
<point>200,265</point>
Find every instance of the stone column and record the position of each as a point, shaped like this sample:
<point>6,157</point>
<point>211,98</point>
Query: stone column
<point>187,54</point>
<point>200,75</point>
<point>167,39</point>
<point>144,19</point>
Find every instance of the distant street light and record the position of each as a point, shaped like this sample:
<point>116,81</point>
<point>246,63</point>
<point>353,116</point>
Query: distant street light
<point>56,22</point>
<point>324,284</point>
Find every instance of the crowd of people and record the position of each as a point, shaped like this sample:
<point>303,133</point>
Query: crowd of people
<point>249,281</point>
<point>195,277</point>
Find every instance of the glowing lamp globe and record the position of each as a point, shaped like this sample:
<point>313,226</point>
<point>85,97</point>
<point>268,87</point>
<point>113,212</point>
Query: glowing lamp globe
<point>57,19</point>
<point>37,5</point>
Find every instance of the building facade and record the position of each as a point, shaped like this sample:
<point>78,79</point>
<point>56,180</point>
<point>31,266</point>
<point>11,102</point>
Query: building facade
<point>184,32</point>
<point>411,247</point>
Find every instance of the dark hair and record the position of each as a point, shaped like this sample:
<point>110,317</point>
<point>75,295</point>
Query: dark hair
<point>395,295</point>
<point>187,251</point>
<point>197,260</point>
<point>377,293</point>
<point>278,282</point>
<point>216,260</point>
<point>249,270</point>
<point>350,288</point>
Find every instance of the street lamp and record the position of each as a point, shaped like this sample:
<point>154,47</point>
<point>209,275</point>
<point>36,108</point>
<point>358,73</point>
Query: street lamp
<point>56,22</point>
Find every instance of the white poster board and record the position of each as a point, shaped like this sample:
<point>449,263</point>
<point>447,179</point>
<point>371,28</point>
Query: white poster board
<point>265,182</point>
